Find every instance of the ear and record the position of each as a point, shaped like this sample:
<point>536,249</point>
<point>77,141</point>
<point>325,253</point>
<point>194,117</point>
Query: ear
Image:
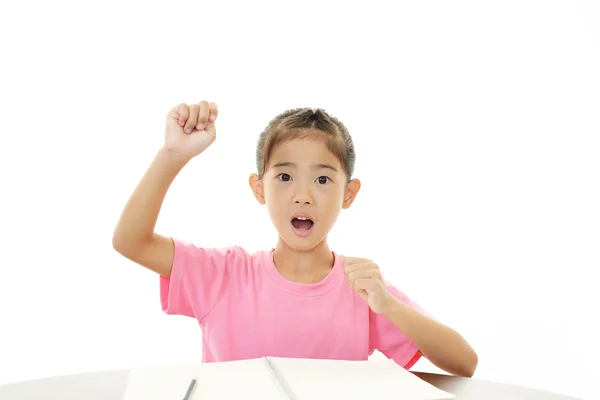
<point>257,188</point>
<point>350,192</point>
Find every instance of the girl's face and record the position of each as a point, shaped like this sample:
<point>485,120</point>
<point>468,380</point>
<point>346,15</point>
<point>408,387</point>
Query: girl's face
<point>304,188</point>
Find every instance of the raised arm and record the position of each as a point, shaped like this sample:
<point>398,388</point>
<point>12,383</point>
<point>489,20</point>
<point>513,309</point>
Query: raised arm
<point>189,131</point>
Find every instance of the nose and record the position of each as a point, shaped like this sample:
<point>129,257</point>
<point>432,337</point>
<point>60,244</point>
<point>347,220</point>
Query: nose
<point>302,196</point>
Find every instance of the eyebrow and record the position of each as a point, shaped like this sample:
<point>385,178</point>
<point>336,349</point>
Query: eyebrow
<point>314,166</point>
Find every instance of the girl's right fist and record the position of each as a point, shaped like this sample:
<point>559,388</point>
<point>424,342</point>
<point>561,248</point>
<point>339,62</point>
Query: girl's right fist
<point>191,129</point>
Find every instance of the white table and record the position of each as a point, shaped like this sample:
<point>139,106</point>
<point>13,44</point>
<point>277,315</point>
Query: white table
<point>110,385</point>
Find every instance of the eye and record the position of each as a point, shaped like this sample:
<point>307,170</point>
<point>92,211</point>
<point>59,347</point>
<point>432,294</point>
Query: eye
<point>323,180</point>
<point>284,177</point>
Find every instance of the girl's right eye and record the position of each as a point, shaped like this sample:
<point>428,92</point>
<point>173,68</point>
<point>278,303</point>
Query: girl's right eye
<point>284,177</point>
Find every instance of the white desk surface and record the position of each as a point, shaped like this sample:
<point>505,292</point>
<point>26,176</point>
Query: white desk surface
<point>110,385</point>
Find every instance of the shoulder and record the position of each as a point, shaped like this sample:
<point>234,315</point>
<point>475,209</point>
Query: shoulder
<point>189,249</point>
<point>234,258</point>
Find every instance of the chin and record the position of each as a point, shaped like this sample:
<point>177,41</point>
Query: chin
<point>301,243</point>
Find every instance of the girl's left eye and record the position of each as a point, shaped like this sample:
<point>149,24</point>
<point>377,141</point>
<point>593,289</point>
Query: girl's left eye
<point>323,180</point>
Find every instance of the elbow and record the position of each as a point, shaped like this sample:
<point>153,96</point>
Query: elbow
<point>468,360</point>
<point>460,364</point>
<point>469,372</point>
<point>127,247</point>
<point>121,245</point>
<point>469,367</point>
<point>117,243</point>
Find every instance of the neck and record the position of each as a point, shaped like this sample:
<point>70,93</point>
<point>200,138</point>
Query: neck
<point>303,265</point>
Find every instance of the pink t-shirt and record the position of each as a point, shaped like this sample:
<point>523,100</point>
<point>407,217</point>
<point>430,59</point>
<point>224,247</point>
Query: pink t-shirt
<point>247,309</point>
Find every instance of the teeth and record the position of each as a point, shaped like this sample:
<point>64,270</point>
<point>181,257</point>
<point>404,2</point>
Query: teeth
<point>302,218</point>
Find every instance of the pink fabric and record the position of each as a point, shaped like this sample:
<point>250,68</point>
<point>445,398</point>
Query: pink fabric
<point>247,309</point>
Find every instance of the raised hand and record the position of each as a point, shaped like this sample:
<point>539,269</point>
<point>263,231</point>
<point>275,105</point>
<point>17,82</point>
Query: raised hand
<point>191,129</point>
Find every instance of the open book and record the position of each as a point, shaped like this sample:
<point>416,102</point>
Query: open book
<point>274,378</point>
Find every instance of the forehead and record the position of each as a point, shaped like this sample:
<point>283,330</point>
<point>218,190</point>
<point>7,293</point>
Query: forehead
<point>301,151</point>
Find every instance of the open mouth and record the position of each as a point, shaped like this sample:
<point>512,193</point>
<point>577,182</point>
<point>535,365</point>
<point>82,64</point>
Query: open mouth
<point>302,223</point>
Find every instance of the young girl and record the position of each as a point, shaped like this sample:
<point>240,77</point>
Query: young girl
<point>299,299</point>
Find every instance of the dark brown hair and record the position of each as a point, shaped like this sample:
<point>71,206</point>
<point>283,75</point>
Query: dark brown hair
<point>306,123</point>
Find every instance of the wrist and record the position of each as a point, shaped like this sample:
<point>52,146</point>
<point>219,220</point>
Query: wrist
<point>392,307</point>
<point>172,157</point>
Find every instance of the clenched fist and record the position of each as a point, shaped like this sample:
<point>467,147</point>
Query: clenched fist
<point>364,278</point>
<point>191,129</point>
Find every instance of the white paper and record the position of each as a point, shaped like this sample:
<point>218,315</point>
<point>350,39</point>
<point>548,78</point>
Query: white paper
<point>354,380</point>
<point>249,379</point>
<point>239,380</point>
<point>159,382</point>
<point>308,379</point>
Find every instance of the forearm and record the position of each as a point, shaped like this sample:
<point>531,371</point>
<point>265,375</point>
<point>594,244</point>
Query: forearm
<point>138,219</point>
<point>441,345</point>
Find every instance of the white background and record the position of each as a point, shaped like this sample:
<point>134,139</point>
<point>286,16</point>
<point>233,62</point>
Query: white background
<point>477,132</point>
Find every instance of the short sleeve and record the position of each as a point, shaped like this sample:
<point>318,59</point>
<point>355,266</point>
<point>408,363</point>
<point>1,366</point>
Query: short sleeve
<point>199,278</point>
<point>388,339</point>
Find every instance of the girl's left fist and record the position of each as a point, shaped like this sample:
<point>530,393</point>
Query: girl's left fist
<point>364,278</point>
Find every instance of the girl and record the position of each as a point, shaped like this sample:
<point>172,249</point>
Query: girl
<point>299,299</point>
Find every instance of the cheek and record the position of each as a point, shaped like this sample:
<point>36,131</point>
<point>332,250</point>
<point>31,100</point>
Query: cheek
<point>276,213</point>
<point>270,189</point>
<point>275,192</point>
<point>275,199</point>
<point>331,199</point>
